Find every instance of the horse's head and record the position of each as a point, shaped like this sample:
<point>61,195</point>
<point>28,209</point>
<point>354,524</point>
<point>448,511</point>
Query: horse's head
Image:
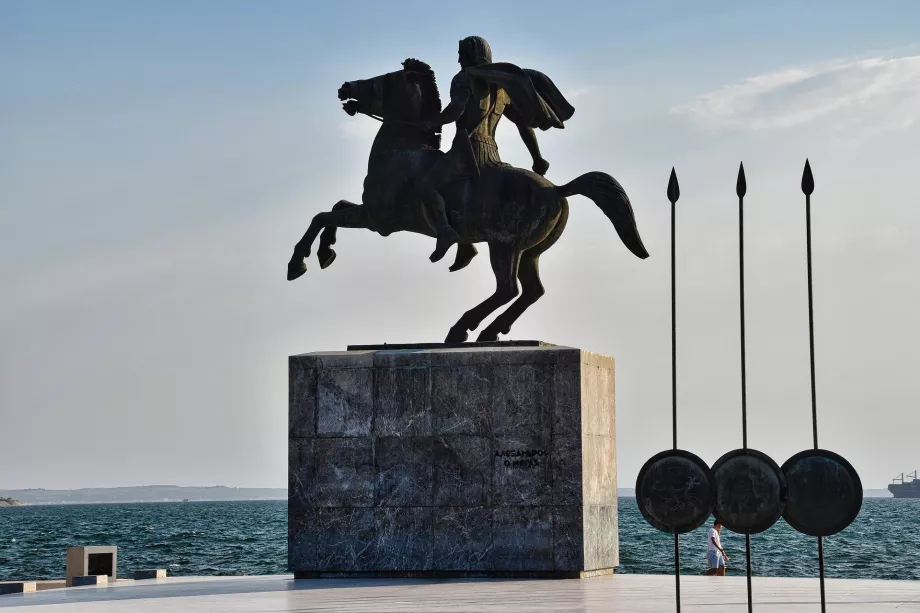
<point>409,94</point>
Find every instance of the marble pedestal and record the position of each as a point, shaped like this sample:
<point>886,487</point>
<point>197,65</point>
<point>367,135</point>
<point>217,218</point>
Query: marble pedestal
<point>470,461</point>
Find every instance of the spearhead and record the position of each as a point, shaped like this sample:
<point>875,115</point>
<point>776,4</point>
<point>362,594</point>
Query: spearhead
<point>808,181</point>
<point>741,185</point>
<point>673,187</point>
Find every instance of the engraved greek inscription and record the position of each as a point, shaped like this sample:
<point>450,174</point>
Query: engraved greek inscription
<point>522,458</point>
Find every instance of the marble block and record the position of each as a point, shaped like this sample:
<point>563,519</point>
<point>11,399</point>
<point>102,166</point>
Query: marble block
<point>495,460</point>
<point>17,587</point>
<point>150,573</point>
<point>89,580</point>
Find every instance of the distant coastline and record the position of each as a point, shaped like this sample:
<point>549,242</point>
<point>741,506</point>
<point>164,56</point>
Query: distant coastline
<point>143,493</point>
<point>175,493</point>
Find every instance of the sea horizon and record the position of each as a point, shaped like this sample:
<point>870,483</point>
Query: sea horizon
<point>222,538</point>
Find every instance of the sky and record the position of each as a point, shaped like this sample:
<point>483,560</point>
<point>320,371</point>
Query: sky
<point>158,161</point>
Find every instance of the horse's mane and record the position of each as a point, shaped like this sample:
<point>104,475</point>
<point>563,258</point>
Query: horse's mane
<point>431,98</point>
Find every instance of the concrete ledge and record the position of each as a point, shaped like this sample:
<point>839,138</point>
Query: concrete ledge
<point>50,584</point>
<point>16,587</point>
<point>610,594</point>
<point>454,574</point>
<point>599,572</point>
<point>152,573</point>
<point>90,580</point>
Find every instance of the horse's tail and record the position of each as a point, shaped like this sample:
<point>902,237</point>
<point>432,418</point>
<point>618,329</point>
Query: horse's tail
<point>612,200</point>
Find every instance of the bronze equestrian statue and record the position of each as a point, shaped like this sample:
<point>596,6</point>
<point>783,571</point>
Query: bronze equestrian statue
<point>479,97</point>
<point>517,212</point>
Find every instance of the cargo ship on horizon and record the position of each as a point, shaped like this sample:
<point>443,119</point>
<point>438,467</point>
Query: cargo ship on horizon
<point>901,488</point>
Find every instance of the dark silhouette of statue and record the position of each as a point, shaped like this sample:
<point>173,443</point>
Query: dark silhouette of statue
<point>467,195</point>
<point>479,97</point>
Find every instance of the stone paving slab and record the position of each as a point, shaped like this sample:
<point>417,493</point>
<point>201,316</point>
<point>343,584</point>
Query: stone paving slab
<point>612,594</point>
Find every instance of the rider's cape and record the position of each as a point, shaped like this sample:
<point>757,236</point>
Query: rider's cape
<point>536,100</point>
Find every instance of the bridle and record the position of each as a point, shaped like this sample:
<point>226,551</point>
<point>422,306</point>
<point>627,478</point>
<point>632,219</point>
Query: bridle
<point>401,122</point>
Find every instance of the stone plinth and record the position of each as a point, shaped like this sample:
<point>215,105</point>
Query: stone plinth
<point>94,560</point>
<point>494,461</point>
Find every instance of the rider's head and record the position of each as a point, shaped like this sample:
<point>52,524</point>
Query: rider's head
<point>474,51</point>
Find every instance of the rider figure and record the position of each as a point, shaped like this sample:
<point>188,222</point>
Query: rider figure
<point>479,95</point>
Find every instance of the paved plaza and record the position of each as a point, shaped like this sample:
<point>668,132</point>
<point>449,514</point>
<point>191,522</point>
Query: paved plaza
<point>612,594</point>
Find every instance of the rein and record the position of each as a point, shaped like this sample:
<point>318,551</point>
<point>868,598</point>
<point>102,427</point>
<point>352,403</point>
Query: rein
<point>397,121</point>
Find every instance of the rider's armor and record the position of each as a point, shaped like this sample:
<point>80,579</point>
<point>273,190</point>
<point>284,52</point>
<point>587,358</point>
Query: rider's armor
<point>484,109</point>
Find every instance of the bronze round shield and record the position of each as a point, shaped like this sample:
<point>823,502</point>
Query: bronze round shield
<point>825,493</point>
<point>674,491</point>
<point>750,491</point>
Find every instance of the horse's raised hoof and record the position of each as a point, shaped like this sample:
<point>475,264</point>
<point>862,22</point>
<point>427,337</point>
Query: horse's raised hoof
<point>456,335</point>
<point>465,255</point>
<point>326,257</point>
<point>487,336</point>
<point>296,268</point>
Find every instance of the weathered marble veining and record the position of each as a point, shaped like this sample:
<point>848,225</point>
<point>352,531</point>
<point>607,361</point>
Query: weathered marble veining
<point>404,468</point>
<point>403,406</point>
<point>463,538</point>
<point>344,402</point>
<point>462,471</point>
<point>522,539</point>
<point>403,539</point>
<point>461,399</point>
<point>332,472</point>
<point>480,461</point>
<point>302,397</point>
<point>522,400</point>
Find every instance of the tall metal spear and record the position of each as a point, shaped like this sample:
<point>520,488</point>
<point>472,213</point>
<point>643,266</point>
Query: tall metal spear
<point>808,187</point>
<point>673,195</point>
<point>741,190</point>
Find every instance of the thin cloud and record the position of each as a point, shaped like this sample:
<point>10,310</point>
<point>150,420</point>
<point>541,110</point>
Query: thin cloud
<point>873,94</point>
<point>577,92</point>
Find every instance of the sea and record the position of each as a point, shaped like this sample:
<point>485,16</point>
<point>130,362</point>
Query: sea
<point>250,538</point>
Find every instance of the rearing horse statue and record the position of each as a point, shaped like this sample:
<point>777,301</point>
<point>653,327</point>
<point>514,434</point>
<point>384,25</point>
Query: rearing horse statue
<point>517,212</point>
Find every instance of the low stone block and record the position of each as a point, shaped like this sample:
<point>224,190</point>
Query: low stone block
<point>89,580</point>
<point>151,573</point>
<point>17,587</point>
